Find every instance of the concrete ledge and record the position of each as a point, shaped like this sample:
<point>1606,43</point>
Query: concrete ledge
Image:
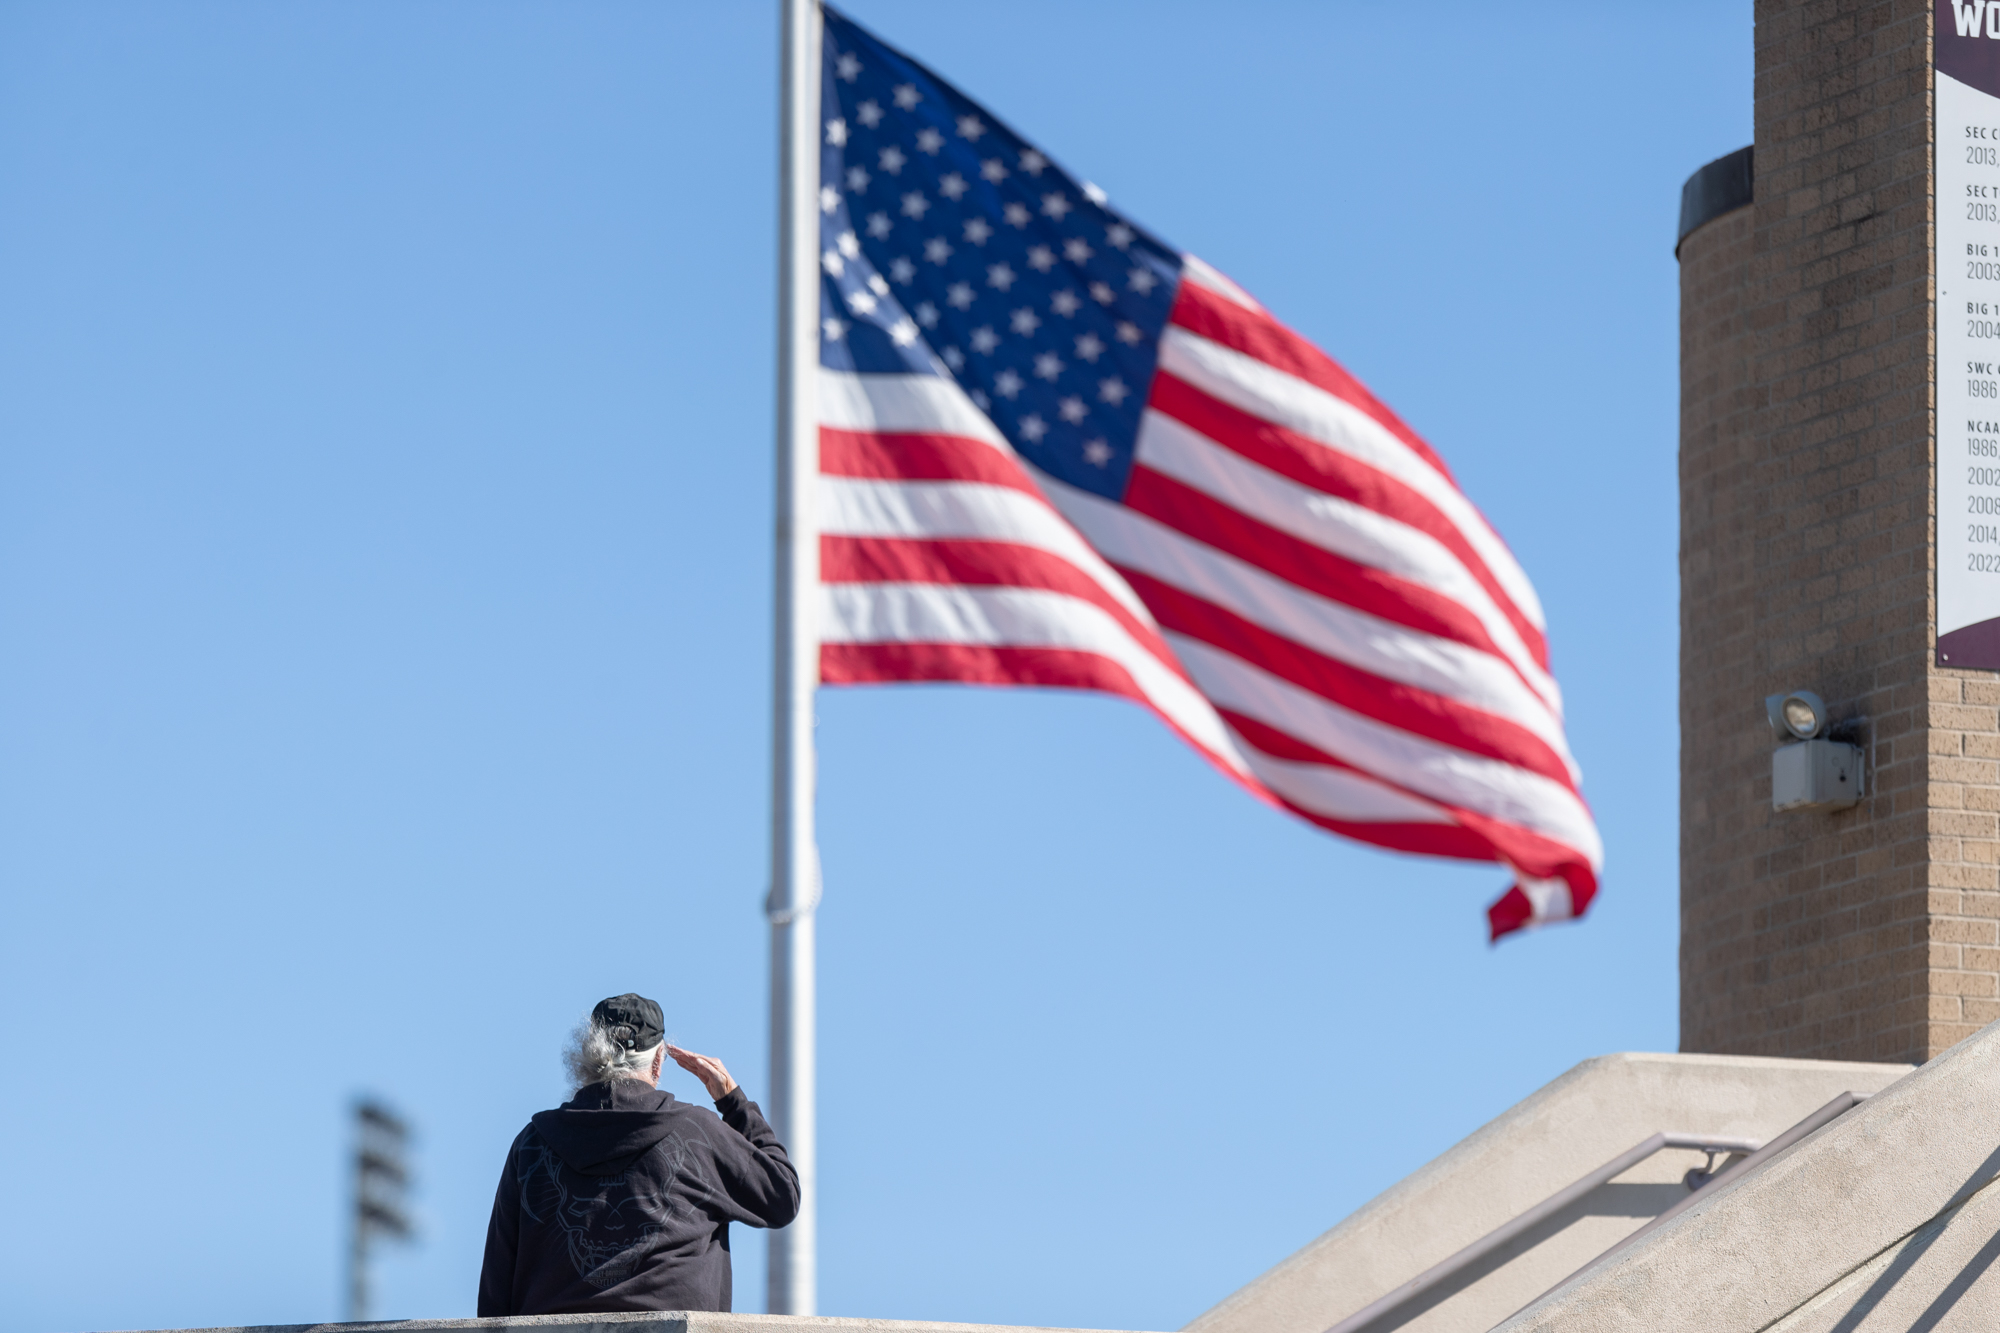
<point>663,1321</point>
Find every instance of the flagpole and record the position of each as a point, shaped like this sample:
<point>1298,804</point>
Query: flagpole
<point>793,1278</point>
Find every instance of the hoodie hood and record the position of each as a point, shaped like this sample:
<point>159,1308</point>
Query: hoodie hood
<point>607,1126</point>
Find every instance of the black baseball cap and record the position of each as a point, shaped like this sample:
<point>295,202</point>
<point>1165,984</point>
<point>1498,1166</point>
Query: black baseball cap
<point>633,1021</point>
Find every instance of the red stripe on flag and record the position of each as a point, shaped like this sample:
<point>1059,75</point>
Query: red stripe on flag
<point>1310,463</point>
<point>1405,707</point>
<point>1510,912</point>
<point>974,664</point>
<point>892,456</point>
<point>1423,839</point>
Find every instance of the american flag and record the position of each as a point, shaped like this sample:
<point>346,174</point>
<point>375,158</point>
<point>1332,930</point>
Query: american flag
<point>1056,451</point>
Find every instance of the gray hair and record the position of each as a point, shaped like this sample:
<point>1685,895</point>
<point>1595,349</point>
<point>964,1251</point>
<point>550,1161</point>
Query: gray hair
<point>594,1056</point>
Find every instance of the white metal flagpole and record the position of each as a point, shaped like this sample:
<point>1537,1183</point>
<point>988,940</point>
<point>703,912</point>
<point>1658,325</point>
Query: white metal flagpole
<point>793,1281</point>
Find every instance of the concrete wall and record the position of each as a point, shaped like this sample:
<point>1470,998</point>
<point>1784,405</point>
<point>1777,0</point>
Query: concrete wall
<point>1807,422</point>
<point>1888,1218</point>
<point>1582,1120</point>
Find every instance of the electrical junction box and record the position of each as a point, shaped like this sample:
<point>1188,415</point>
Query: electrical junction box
<point>1815,775</point>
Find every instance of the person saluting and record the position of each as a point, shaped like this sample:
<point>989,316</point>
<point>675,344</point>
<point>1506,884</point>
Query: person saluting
<point>621,1198</point>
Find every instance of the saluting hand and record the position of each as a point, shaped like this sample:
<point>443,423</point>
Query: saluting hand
<point>706,1068</point>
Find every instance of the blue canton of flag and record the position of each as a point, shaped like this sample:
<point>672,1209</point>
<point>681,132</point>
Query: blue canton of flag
<point>946,237</point>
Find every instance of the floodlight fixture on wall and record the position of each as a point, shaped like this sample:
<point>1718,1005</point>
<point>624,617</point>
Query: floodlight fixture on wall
<point>1798,716</point>
<point>1809,771</point>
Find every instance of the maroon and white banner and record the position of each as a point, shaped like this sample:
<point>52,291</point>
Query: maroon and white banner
<point>1967,135</point>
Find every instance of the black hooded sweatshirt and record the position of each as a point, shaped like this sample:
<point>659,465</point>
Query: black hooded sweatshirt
<point>621,1199</point>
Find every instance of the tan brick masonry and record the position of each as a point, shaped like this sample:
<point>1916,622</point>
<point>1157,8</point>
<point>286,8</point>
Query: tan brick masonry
<point>1806,562</point>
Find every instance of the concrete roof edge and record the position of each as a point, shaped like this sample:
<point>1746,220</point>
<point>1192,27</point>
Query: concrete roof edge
<point>1747,1061</point>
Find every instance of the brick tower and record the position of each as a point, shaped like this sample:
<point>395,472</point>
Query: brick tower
<point>1808,552</point>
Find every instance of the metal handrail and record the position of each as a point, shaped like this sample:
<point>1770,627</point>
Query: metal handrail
<point>1839,1106</point>
<point>1541,1212</point>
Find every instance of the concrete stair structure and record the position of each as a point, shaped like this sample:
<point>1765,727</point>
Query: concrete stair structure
<point>1886,1218</point>
<point>1585,1118</point>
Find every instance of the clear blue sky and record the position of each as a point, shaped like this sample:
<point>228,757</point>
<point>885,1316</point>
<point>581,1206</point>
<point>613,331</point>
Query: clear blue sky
<point>385,472</point>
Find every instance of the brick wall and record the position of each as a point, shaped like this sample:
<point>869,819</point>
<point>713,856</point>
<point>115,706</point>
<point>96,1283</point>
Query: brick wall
<point>1806,560</point>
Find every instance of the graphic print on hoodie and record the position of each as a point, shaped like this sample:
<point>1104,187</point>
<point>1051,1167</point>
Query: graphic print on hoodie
<point>610,1225</point>
<point>621,1199</point>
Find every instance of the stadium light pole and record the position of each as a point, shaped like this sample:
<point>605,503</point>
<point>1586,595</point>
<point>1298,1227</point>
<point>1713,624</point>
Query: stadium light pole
<point>793,1280</point>
<point>381,1178</point>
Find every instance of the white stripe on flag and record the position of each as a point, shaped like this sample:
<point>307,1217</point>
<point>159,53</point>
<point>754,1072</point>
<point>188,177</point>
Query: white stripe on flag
<point>904,404</point>
<point>1017,618</point>
<point>1265,391</point>
<point>1203,274</point>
